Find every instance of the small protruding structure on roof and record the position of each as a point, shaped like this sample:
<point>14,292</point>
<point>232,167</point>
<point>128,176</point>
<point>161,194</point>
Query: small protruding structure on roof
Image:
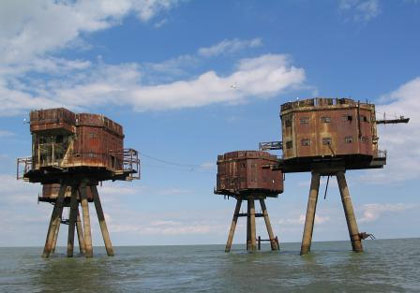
<point>249,176</point>
<point>71,154</point>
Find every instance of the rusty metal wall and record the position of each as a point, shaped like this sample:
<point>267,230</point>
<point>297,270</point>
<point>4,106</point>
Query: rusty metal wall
<point>94,140</point>
<point>50,192</point>
<point>52,119</point>
<point>244,172</point>
<point>327,128</point>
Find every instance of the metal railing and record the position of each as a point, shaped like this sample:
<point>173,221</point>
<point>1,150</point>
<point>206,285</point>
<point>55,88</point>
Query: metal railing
<point>382,154</point>
<point>24,165</point>
<point>131,163</point>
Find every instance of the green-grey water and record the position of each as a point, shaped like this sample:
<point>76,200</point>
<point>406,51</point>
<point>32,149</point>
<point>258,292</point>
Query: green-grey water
<point>385,266</point>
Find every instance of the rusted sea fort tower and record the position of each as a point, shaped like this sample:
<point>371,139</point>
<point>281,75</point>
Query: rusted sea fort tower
<point>71,154</point>
<point>249,176</point>
<point>327,137</point>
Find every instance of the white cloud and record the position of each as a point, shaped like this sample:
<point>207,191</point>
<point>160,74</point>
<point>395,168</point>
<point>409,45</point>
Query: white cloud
<point>361,10</point>
<point>208,166</point>
<point>5,133</point>
<point>261,77</point>
<point>402,141</point>
<point>229,46</point>
<point>372,212</point>
<point>300,220</point>
<point>30,29</point>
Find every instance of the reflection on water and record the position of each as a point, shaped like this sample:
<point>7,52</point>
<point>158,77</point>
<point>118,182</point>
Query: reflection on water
<point>387,265</point>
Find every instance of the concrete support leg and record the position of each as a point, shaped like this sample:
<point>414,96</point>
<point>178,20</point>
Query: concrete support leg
<point>271,236</point>
<point>248,227</point>
<point>86,221</point>
<point>252,228</point>
<point>54,222</point>
<point>310,214</point>
<point>57,230</point>
<point>233,225</point>
<point>102,222</point>
<point>349,212</point>
<point>82,246</point>
<point>72,221</point>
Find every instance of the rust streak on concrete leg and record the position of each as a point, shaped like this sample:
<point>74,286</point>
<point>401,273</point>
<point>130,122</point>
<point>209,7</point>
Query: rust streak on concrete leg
<point>57,230</point>
<point>271,236</point>
<point>349,212</point>
<point>55,221</point>
<point>72,221</point>
<point>86,221</point>
<point>82,246</point>
<point>248,227</point>
<point>251,204</point>
<point>102,222</point>
<point>233,225</point>
<point>310,214</point>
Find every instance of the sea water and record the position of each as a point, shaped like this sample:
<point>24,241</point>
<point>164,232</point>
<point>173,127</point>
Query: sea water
<point>385,266</point>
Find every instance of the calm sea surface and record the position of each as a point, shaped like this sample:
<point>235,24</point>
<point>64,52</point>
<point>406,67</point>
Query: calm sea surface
<point>386,266</point>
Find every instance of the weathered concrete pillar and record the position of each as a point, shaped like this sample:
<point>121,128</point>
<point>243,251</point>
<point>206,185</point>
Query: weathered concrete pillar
<point>248,227</point>
<point>271,236</point>
<point>57,230</point>
<point>349,212</point>
<point>82,246</point>
<point>233,225</point>
<point>55,221</point>
<point>253,233</point>
<point>86,221</point>
<point>72,220</point>
<point>310,214</point>
<point>102,222</point>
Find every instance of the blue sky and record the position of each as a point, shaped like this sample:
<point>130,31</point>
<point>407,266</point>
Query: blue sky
<point>189,80</point>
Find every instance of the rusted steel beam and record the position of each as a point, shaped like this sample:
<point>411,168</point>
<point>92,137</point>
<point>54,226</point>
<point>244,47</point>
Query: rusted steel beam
<point>271,236</point>
<point>233,225</point>
<point>82,246</point>
<point>349,212</point>
<point>72,220</point>
<point>102,222</point>
<point>86,221</point>
<point>257,215</point>
<point>54,222</point>
<point>310,214</point>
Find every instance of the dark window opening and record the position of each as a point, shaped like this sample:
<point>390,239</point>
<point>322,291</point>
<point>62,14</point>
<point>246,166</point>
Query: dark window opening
<point>347,118</point>
<point>364,118</point>
<point>305,142</point>
<point>304,120</point>
<point>348,139</point>
<point>365,139</point>
<point>326,119</point>
<point>326,141</point>
<point>289,144</point>
<point>288,123</point>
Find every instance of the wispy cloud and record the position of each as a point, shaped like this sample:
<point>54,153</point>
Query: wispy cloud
<point>26,29</point>
<point>360,10</point>
<point>372,212</point>
<point>6,133</point>
<point>261,77</point>
<point>400,140</point>
<point>229,47</point>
